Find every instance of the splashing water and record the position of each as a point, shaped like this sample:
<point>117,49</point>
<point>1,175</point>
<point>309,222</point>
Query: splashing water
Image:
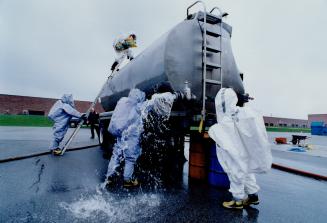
<point>156,140</point>
<point>160,104</point>
<point>113,208</point>
<point>156,110</point>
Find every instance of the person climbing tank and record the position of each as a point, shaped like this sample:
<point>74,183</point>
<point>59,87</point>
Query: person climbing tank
<point>176,57</point>
<point>122,46</point>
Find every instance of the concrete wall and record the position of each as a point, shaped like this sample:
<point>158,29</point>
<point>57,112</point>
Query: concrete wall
<point>285,122</point>
<point>15,104</point>
<point>317,118</point>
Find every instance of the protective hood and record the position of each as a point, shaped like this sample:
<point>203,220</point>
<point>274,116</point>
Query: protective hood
<point>242,142</point>
<point>225,103</point>
<point>62,111</point>
<point>68,99</point>
<point>127,113</point>
<point>137,95</point>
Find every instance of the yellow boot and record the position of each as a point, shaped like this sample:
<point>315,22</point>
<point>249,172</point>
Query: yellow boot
<point>56,152</point>
<point>233,204</point>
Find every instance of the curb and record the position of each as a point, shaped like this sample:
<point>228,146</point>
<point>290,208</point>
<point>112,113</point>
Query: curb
<point>43,154</point>
<point>299,172</point>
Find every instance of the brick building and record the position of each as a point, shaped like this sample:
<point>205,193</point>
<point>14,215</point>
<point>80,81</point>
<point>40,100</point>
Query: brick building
<point>285,122</point>
<point>317,118</point>
<point>15,105</point>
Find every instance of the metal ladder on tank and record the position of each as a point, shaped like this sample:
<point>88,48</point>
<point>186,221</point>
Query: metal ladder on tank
<point>209,19</point>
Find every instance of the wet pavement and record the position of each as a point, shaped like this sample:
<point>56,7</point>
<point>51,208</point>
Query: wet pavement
<point>22,141</point>
<point>318,144</point>
<point>68,189</point>
<point>313,160</point>
<point>313,164</point>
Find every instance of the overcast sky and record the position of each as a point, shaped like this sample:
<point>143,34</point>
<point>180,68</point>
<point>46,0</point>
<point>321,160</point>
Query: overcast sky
<point>48,48</point>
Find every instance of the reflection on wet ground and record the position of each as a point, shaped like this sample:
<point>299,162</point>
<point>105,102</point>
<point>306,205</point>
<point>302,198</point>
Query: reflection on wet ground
<point>69,189</point>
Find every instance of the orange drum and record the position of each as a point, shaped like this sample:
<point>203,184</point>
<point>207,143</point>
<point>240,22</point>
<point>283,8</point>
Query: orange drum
<point>281,140</point>
<point>198,160</point>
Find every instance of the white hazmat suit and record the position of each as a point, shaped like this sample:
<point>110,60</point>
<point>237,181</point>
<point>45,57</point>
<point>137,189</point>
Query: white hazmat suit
<point>61,113</point>
<point>122,49</point>
<point>242,144</point>
<point>127,126</point>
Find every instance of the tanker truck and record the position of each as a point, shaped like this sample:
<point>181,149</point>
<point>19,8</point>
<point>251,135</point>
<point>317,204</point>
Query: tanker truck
<point>196,52</point>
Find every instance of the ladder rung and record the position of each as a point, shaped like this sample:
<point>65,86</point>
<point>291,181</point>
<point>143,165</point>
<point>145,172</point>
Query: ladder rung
<point>211,66</point>
<point>211,19</point>
<point>210,81</point>
<point>212,33</point>
<point>212,49</point>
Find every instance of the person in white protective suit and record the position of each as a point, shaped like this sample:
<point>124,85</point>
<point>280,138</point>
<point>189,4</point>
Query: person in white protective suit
<point>127,126</point>
<point>61,113</point>
<point>242,147</point>
<point>122,46</point>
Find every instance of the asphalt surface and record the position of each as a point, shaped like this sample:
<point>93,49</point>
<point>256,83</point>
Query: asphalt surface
<point>20,141</point>
<point>68,189</point>
<point>318,144</point>
<point>301,161</point>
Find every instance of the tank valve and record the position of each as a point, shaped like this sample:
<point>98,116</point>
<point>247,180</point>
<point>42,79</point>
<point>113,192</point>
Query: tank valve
<point>185,94</point>
<point>187,91</point>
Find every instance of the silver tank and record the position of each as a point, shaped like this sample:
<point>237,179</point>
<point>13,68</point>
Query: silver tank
<point>174,58</point>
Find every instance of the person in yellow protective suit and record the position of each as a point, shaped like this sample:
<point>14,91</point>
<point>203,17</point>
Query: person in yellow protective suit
<point>242,148</point>
<point>122,46</point>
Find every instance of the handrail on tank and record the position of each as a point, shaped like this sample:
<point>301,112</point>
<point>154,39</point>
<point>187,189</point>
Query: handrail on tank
<point>213,9</point>
<point>221,13</point>
<point>204,7</point>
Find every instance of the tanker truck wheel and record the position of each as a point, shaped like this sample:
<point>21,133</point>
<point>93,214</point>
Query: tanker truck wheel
<point>100,137</point>
<point>103,138</point>
<point>106,140</point>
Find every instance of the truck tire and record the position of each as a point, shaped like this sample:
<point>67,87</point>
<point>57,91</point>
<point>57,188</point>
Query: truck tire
<point>103,137</point>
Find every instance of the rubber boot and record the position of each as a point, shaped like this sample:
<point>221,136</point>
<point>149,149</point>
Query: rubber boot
<point>233,204</point>
<point>112,180</point>
<point>131,183</point>
<point>252,199</point>
<point>56,152</point>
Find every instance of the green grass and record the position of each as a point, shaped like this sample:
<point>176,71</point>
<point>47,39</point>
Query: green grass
<point>43,121</point>
<point>286,129</point>
<point>25,120</point>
